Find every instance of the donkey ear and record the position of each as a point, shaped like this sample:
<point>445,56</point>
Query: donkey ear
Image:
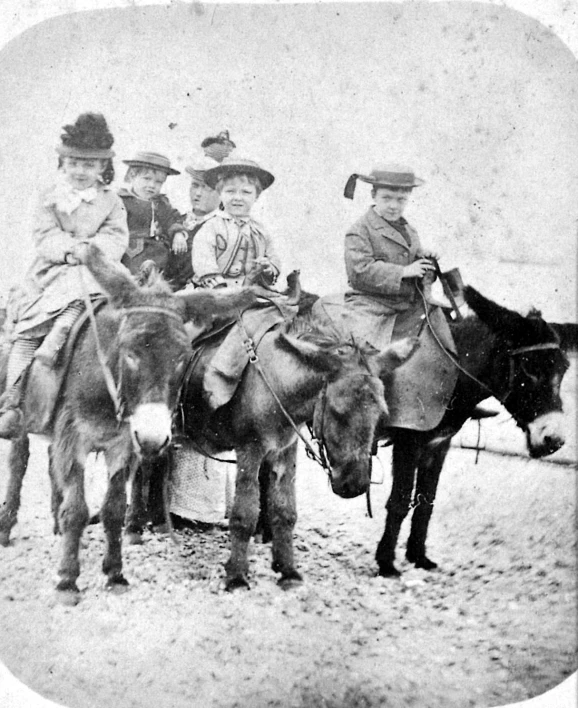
<point>203,306</point>
<point>568,334</point>
<point>497,318</point>
<point>317,358</point>
<point>112,277</point>
<point>395,355</point>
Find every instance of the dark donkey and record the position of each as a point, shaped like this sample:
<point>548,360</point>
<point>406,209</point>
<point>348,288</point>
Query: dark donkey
<point>142,337</point>
<point>518,360</point>
<point>315,377</point>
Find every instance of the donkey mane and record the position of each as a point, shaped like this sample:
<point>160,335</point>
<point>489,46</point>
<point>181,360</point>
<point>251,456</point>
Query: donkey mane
<point>309,329</point>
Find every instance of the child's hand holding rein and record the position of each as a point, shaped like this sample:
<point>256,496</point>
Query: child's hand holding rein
<point>78,254</point>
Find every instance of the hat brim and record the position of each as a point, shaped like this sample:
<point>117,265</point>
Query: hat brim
<point>199,174</point>
<point>415,182</point>
<point>213,175</point>
<point>151,166</point>
<point>84,153</point>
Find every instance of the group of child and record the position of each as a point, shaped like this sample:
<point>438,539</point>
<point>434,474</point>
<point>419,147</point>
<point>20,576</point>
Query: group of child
<point>133,225</point>
<point>217,244</point>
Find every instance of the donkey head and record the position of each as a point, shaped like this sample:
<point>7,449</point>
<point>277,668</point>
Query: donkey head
<point>151,348</point>
<point>527,367</point>
<point>350,405</point>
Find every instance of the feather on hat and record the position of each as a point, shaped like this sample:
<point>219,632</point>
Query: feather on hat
<point>88,138</point>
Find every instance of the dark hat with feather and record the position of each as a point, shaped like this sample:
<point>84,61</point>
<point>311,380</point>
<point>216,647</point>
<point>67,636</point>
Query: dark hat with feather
<point>218,147</point>
<point>396,176</point>
<point>89,138</point>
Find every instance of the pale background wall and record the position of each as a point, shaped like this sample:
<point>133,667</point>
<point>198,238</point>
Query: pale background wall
<point>481,99</point>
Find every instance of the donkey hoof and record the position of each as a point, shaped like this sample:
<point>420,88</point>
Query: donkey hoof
<point>388,570</point>
<point>237,583</point>
<point>422,562</point>
<point>290,580</point>
<point>4,538</point>
<point>67,593</point>
<point>134,538</point>
<point>117,584</point>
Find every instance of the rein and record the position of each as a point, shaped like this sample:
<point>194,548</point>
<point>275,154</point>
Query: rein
<point>511,353</point>
<point>249,345</point>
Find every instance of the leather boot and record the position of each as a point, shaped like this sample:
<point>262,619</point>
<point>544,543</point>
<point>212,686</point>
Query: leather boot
<point>11,423</point>
<point>51,348</point>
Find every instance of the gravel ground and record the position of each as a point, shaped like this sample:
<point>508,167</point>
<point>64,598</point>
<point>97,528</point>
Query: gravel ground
<point>495,625</point>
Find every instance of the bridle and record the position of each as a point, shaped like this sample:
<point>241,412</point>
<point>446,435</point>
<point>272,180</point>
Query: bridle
<point>321,455</point>
<point>512,354</point>
<point>115,388</point>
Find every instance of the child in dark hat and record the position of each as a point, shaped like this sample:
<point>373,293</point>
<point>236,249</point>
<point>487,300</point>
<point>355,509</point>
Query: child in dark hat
<point>232,247</point>
<point>155,227</point>
<point>81,208</point>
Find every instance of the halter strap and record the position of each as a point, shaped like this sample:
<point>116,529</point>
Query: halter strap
<point>534,348</point>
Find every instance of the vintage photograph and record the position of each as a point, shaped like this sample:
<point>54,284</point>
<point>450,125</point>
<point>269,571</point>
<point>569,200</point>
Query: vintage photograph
<point>288,336</point>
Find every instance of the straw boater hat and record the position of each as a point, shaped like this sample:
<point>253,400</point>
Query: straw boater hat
<point>218,147</point>
<point>199,164</point>
<point>89,138</point>
<point>153,160</point>
<point>232,165</point>
<point>385,176</point>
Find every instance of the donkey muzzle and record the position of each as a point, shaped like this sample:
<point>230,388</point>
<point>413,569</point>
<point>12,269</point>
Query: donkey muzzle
<point>546,434</point>
<point>150,427</point>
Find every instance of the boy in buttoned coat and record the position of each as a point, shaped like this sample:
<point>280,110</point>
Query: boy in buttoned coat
<point>384,258</point>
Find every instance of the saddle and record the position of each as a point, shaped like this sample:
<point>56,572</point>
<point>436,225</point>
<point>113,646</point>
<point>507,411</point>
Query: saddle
<point>44,383</point>
<point>418,392</point>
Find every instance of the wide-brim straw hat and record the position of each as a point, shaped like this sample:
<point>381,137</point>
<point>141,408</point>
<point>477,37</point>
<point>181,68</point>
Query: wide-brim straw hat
<point>153,160</point>
<point>200,164</point>
<point>84,153</point>
<point>385,176</point>
<point>236,165</point>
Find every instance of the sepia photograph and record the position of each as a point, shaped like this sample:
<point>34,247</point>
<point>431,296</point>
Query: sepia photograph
<point>288,335</point>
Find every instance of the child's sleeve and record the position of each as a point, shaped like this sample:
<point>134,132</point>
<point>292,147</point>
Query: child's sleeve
<point>50,240</point>
<point>112,235</point>
<point>170,220</point>
<point>271,253</point>
<point>367,273</point>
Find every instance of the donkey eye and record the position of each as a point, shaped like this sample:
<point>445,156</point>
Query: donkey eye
<point>132,361</point>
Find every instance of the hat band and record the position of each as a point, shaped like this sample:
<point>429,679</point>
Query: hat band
<point>84,153</point>
<point>395,179</point>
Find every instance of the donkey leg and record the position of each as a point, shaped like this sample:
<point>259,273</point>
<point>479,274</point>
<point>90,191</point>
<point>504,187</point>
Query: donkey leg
<point>244,516</point>
<point>72,518</point>
<point>283,516</point>
<point>405,455</point>
<point>112,514</point>
<point>428,474</point>
<point>136,515</point>
<point>263,531</point>
<point>55,492</point>
<point>17,464</point>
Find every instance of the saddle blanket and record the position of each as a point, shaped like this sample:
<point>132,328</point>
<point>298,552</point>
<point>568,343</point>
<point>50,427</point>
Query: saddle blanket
<point>226,367</point>
<point>420,389</point>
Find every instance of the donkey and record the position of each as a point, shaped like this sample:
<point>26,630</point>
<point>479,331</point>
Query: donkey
<point>299,374</point>
<point>122,408</point>
<point>518,360</point>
